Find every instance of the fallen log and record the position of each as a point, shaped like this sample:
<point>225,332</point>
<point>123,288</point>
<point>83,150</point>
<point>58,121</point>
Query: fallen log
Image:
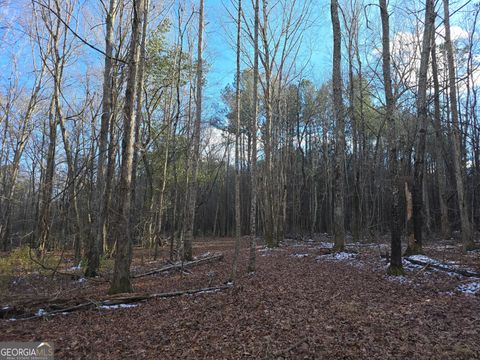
<point>119,299</point>
<point>180,265</point>
<point>439,266</point>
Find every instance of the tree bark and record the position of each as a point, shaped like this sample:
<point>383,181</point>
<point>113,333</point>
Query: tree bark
<point>395,267</point>
<point>253,153</point>
<point>193,185</point>
<point>422,116</point>
<point>466,229</point>
<point>123,257</point>
<point>237,150</point>
<point>439,149</point>
<point>339,166</point>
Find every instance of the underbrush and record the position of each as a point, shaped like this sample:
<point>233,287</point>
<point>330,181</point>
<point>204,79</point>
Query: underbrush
<point>24,261</point>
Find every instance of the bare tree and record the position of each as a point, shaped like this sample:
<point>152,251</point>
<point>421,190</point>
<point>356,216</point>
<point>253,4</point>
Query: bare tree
<point>339,166</point>
<point>123,257</point>
<point>253,152</point>
<point>396,245</point>
<point>466,229</point>
<point>237,148</point>
<point>422,116</point>
<point>193,186</point>
<point>98,237</point>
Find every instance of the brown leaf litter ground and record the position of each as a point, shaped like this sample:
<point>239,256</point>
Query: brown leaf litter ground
<point>300,304</point>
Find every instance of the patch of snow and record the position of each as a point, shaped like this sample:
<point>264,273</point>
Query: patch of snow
<point>425,259</point>
<point>207,292</point>
<point>5,307</point>
<point>267,251</point>
<point>446,265</point>
<point>74,268</point>
<point>360,244</point>
<point>339,256</point>
<point>452,274</point>
<point>301,256</point>
<point>41,312</point>
<point>81,280</point>
<point>204,255</point>
<point>470,288</point>
<point>408,265</point>
<point>118,306</point>
<point>399,279</point>
<point>327,245</point>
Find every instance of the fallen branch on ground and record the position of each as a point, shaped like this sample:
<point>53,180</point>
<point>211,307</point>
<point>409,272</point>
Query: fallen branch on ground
<point>119,299</point>
<point>442,267</point>
<point>179,265</point>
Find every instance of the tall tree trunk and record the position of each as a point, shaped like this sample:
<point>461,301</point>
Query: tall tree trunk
<point>466,229</point>
<point>439,149</point>
<point>99,235</point>
<point>193,185</point>
<point>253,153</point>
<point>339,167</point>
<point>237,150</point>
<point>123,257</point>
<point>422,115</point>
<point>395,267</point>
<point>138,146</point>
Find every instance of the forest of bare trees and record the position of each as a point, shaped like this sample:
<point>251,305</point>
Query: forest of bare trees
<point>106,146</point>
<point>266,179</point>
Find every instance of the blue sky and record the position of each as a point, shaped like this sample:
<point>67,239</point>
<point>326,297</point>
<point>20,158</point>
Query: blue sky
<point>219,48</point>
<point>220,51</point>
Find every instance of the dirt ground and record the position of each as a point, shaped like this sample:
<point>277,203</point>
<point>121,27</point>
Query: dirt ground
<point>301,303</point>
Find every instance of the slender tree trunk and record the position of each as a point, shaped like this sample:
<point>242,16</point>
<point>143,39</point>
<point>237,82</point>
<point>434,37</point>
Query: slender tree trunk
<point>466,229</point>
<point>395,267</point>
<point>339,167</point>
<point>123,257</point>
<point>422,117</point>
<point>237,150</point>
<point>439,149</point>
<point>193,185</point>
<point>138,122</point>
<point>253,152</point>
<point>99,235</point>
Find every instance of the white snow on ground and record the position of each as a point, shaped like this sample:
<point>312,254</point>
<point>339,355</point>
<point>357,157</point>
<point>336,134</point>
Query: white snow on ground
<point>446,264</point>
<point>74,268</point>
<point>425,259</point>
<point>339,256</point>
<point>81,280</point>
<point>299,255</point>
<point>470,288</point>
<point>41,312</point>
<point>266,251</point>
<point>408,265</point>
<point>327,245</point>
<point>206,292</point>
<point>118,306</point>
<point>433,261</point>
<point>399,279</point>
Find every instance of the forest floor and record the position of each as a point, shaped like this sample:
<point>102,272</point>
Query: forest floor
<point>301,303</point>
